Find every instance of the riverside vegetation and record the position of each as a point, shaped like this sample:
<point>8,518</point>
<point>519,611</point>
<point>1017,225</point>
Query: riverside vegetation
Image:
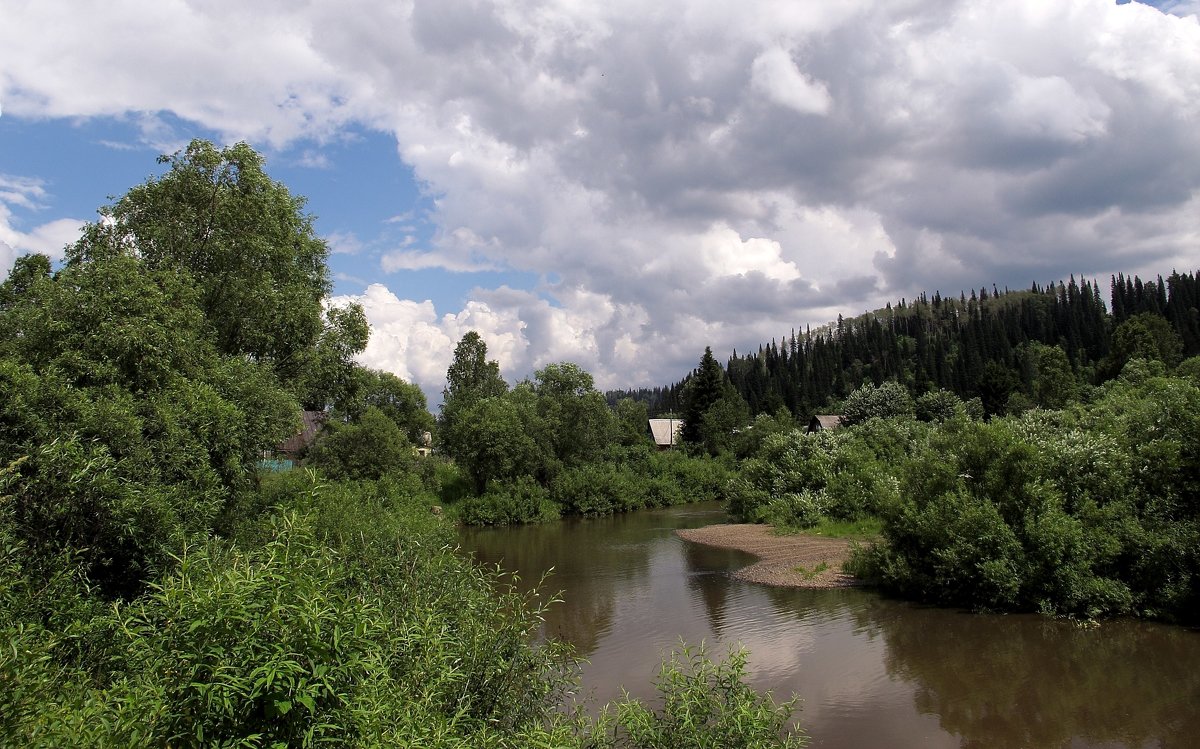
<point>1018,451</point>
<point>157,589</point>
<point>1090,510</point>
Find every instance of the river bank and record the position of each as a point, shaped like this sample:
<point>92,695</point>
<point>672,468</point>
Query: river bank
<point>797,561</point>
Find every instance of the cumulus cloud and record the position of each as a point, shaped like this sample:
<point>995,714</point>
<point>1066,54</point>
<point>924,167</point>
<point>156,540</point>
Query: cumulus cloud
<point>776,75</point>
<point>25,194</point>
<point>695,173</point>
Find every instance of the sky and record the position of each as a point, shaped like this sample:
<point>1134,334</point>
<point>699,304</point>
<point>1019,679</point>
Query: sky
<point>620,184</point>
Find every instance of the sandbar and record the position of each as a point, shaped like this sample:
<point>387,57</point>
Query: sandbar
<point>792,561</point>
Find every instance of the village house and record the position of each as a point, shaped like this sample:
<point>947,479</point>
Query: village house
<point>665,432</point>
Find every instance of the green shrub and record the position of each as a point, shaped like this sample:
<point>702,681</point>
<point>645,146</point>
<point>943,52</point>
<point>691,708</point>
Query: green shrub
<point>803,510</point>
<point>389,640</point>
<point>700,478</point>
<point>744,501</point>
<point>521,500</point>
<point>599,489</point>
<point>663,491</point>
<point>887,401</point>
<point>704,704</point>
<point>365,449</point>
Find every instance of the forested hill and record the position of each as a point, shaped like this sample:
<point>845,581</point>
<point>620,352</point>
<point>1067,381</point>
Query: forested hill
<point>993,345</point>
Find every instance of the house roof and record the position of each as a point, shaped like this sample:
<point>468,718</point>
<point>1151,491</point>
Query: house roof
<point>823,422</point>
<point>313,421</point>
<point>665,431</point>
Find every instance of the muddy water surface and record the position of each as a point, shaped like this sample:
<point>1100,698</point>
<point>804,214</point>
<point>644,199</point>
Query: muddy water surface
<point>870,672</point>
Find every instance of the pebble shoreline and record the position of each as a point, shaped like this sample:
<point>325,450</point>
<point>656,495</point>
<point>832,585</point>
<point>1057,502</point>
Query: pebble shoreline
<point>779,556</point>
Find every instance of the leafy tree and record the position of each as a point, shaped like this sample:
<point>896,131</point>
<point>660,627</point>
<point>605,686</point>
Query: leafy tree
<point>501,445</point>
<point>368,448</point>
<point>887,401</point>
<point>750,440</point>
<point>938,406</point>
<point>632,422</point>
<point>719,425</point>
<point>1189,369</point>
<point>1054,384</point>
<point>328,375</point>
<point>241,238</point>
<point>402,402</point>
<point>575,417</point>
<point>472,376</point>
<point>1144,336</point>
<point>27,271</point>
<point>470,379</point>
<point>136,431</point>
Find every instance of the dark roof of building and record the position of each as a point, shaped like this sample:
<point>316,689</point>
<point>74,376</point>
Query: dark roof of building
<point>313,421</point>
<point>824,421</point>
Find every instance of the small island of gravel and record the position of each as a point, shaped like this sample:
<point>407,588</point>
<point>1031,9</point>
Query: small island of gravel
<point>792,561</point>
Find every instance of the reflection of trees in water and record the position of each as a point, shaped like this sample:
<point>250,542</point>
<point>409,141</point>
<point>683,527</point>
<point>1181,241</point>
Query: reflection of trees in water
<point>593,561</point>
<point>1023,681</point>
<point>707,579</point>
<point>999,681</point>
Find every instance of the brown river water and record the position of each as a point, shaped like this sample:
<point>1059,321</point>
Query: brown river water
<point>870,672</point>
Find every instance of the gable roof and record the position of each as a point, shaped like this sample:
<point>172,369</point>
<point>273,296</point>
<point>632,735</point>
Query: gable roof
<point>313,421</point>
<point>666,431</point>
<point>823,422</point>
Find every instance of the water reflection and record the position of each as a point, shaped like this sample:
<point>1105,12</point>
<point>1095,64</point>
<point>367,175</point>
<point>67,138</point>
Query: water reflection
<point>709,581</point>
<point>1026,681</point>
<point>870,672</point>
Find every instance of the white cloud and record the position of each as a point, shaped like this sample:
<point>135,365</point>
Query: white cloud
<point>409,339</point>
<point>699,173</point>
<point>343,243</point>
<point>52,237</point>
<point>49,238</point>
<point>417,260</point>
<point>776,75</point>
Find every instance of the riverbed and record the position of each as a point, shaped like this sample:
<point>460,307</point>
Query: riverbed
<point>870,672</point>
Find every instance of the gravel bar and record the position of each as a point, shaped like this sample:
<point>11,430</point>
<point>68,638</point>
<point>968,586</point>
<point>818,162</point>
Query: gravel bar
<point>780,556</point>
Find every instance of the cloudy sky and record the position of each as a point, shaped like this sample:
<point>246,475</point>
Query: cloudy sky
<point>620,184</point>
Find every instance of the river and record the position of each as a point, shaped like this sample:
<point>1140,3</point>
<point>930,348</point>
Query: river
<point>870,672</point>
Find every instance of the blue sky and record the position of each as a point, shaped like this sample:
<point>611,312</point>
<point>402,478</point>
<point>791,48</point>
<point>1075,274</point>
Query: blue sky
<point>619,187</point>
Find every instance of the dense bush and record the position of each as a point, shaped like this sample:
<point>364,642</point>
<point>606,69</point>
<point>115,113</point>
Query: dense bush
<point>520,500</point>
<point>352,623</point>
<point>599,489</point>
<point>699,478</point>
<point>703,704</point>
<point>846,474</point>
<point>116,397</point>
<point>1087,512</point>
<point>938,405</point>
<point>887,401</point>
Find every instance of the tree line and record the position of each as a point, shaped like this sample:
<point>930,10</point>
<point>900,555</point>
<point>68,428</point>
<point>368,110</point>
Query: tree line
<point>989,345</point>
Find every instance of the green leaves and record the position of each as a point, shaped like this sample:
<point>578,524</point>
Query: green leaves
<point>705,704</point>
<point>242,239</point>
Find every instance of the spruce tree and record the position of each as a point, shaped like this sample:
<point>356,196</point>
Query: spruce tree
<point>700,393</point>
